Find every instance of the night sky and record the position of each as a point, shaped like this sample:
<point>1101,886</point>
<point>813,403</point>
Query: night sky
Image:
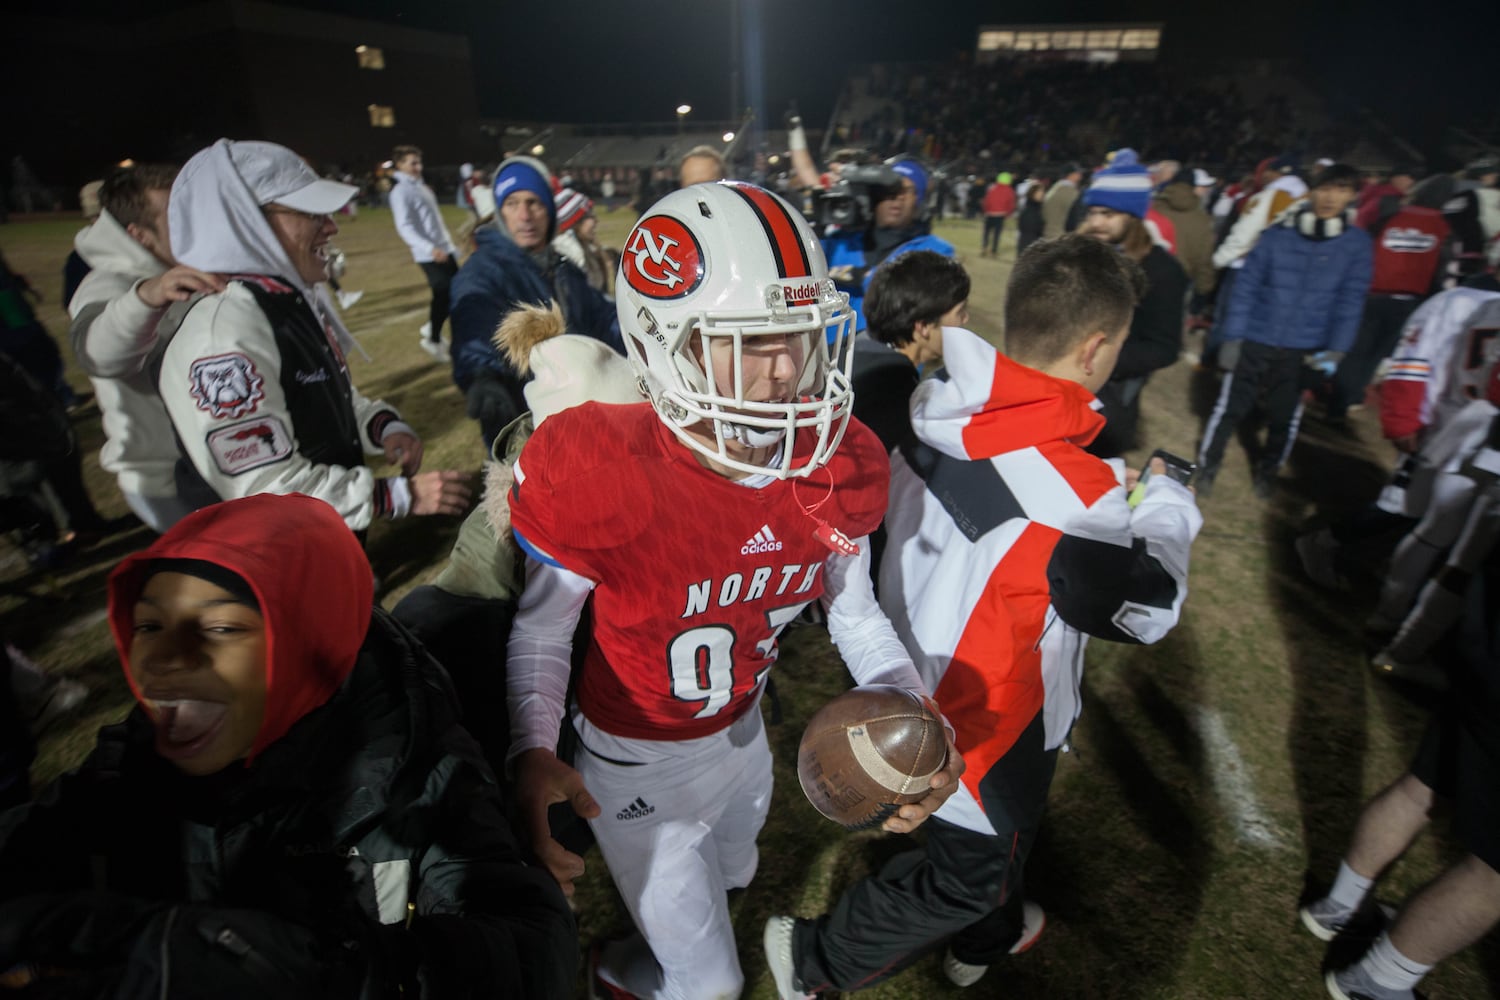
<point>616,60</point>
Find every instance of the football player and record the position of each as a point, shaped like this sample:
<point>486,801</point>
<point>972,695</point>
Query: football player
<point>695,527</point>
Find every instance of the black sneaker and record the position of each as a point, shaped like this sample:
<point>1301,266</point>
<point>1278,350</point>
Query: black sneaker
<point>1326,920</point>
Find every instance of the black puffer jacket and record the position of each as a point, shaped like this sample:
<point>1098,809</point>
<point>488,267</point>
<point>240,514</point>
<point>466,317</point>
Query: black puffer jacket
<point>363,854</point>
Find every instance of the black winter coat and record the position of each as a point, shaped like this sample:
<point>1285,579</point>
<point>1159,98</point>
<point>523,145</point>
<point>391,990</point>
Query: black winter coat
<point>363,854</point>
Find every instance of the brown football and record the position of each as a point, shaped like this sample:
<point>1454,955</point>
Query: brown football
<point>869,751</point>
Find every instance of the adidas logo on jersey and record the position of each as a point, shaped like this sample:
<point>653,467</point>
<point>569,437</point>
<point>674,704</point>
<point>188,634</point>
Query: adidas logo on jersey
<point>763,541</point>
<point>636,810</point>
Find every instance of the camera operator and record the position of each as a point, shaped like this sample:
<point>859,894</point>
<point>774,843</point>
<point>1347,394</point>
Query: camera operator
<point>883,208</point>
<point>863,214</point>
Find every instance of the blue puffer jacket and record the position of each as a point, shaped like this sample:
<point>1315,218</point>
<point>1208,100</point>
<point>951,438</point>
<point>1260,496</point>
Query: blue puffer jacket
<point>848,250</point>
<point>1299,292</point>
<point>500,276</point>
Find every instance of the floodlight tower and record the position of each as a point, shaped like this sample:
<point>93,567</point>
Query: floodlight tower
<point>734,59</point>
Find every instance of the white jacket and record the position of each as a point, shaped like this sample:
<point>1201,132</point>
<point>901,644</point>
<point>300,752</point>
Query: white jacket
<point>112,332</point>
<point>232,325</point>
<point>216,226</point>
<point>415,210</point>
<point>1259,211</point>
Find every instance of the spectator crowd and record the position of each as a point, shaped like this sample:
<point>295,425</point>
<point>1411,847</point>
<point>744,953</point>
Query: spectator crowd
<point>752,413</point>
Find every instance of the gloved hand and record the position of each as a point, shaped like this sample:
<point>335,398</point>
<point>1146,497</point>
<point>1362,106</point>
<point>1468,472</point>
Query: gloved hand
<point>796,137</point>
<point>1326,362</point>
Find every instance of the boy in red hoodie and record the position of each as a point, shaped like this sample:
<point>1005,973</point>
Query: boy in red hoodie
<point>292,809</point>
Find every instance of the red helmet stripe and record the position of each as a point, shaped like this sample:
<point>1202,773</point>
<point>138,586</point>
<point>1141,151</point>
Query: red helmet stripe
<point>786,244</point>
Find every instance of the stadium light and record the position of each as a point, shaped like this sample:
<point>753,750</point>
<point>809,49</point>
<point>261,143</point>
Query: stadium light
<point>728,136</point>
<point>684,109</point>
<point>127,162</point>
<point>538,149</point>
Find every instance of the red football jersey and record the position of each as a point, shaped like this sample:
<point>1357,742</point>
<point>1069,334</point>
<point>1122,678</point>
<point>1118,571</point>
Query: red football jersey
<point>695,575</point>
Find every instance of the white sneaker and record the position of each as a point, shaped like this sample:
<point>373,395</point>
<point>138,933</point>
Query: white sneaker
<point>1033,921</point>
<point>777,941</point>
<point>427,330</point>
<point>962,973</point>
<point>436,348</point>
<point>348,299</point>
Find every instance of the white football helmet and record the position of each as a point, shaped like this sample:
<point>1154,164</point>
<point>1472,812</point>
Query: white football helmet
<point>730,262</point>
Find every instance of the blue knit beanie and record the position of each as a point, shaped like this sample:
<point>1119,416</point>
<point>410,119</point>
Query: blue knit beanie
<point>912,171</point>
<point>525,173</point>
<point>1124,185</point>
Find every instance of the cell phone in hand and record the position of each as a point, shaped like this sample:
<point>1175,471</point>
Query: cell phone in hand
<point>1178,468</point>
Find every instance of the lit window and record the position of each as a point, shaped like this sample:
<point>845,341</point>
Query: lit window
<point>992,40</point>
<point>370,57</point>
<point>1104,39</point>
<point>1067,39</point>
<point>382,116</point>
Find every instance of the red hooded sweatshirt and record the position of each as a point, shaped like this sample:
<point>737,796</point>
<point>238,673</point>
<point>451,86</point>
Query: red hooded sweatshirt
<point>310,578</point>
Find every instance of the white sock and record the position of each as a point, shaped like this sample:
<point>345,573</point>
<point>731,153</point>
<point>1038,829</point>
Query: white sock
<point>1391,969</point>
<point>1350,887</point>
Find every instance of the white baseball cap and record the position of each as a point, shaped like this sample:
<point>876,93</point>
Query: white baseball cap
<point>277,175</point>
<point>1202,178</point>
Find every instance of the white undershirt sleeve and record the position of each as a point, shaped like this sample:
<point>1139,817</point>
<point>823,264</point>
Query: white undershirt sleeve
<point>861,631</point>
<point>539,655</point>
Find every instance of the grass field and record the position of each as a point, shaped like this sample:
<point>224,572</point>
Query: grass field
<point>1211,773</point>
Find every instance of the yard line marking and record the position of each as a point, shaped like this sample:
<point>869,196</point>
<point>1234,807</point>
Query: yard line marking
<point>1232,784</point>
<point>83,623</point>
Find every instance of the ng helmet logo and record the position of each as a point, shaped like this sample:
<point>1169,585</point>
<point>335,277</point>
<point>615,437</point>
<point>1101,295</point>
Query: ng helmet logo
<point>662,259</point>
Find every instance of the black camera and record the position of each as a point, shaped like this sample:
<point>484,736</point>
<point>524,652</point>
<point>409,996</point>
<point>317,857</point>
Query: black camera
<point>850,203</point>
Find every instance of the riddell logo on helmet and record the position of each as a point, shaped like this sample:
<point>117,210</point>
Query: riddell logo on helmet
<point>662,259</point>
<point>800,295</point>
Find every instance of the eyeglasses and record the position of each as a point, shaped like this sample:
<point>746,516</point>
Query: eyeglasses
<point>321,218</point>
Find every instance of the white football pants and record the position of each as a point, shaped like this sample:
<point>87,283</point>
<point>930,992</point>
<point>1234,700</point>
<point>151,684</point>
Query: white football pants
<point>677,828</point>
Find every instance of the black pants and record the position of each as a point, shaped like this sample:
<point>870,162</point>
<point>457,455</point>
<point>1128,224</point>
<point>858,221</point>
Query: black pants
<point>1273,375</point>
<point>963,885</point>
<point>1379,333</point>
<point>994,225</point>
<point>439,277</point>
